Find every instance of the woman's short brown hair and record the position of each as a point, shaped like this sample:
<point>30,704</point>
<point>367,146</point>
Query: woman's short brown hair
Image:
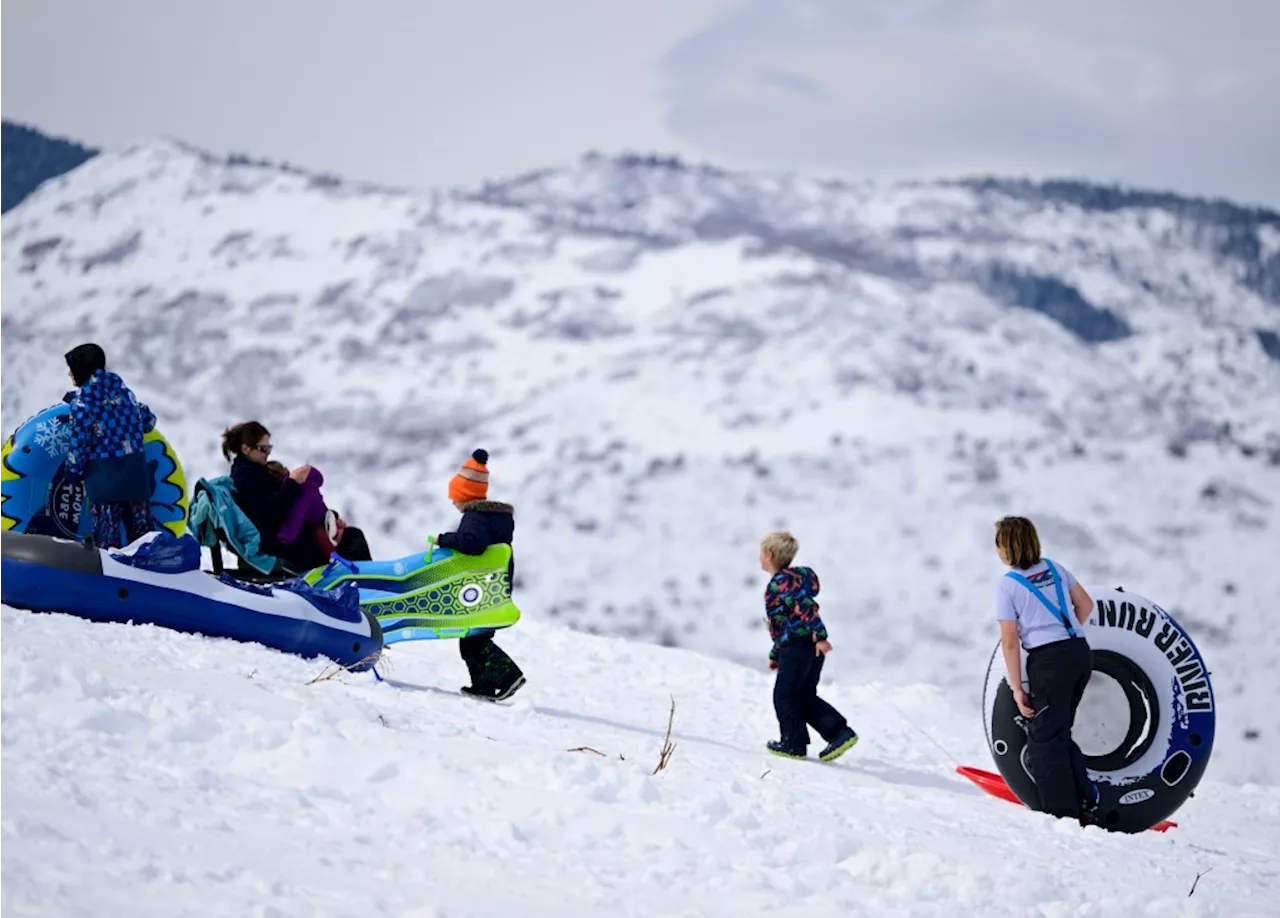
<point>1016,536</point>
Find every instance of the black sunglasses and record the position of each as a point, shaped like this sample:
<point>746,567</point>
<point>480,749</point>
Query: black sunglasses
<point>265,450</point>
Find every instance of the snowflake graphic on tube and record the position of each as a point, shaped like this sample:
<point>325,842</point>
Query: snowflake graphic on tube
<point>54,436</point>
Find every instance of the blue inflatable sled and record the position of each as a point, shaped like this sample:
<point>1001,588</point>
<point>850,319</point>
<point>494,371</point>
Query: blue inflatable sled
<point>157,580</point>
<point>438,594</point>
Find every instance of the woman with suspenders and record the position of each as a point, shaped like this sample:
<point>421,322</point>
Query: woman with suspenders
<point>1033,611</point>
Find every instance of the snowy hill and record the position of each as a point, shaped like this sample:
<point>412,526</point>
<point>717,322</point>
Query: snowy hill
<point>149,773</point>
<point>666,362</point>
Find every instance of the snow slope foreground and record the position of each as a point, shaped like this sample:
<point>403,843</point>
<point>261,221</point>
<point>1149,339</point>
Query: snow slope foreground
<point>148,773</point>
<point>666,362</point>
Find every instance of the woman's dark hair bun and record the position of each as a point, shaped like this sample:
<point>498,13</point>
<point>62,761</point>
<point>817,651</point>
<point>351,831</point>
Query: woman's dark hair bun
<point>238,435</point>
<point>480,456</point>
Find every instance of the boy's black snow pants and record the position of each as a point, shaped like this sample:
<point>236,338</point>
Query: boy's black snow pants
<point>795,697</point>
<point>1057,674</point>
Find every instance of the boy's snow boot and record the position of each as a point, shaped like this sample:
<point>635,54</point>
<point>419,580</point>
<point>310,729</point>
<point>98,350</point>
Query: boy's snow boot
<point>494,675</point>
<point>845,740</point>
<point>787,752</point>
<point>502,693</point>
<point>501,674</point>
<point>494,693</point>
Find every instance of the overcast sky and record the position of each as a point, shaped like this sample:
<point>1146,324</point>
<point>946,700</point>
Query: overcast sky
<point>1181,94</point>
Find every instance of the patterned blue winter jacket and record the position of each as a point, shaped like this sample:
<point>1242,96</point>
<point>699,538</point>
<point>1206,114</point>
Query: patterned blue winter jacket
<point>791,606</point>
<point>106,450</point>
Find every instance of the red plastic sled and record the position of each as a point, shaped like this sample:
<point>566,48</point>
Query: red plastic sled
<point>995,785</point>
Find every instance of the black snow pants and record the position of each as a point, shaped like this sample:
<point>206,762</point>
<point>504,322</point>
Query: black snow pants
<point>1057,674</point>
<point>795,697</point>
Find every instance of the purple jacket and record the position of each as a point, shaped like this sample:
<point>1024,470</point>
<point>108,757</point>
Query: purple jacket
<point>308,510</point>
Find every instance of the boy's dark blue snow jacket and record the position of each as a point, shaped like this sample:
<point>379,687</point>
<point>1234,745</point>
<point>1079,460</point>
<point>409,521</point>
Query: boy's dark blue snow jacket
<point>484,523</point>
<point>790,604</point>
<point>106,451</point>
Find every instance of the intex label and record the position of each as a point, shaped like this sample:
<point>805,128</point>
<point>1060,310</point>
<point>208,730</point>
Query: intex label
<point>1137,796</point>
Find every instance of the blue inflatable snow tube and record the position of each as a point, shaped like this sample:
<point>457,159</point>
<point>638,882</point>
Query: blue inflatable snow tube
<point>157,581</point>
<point>38,497</point>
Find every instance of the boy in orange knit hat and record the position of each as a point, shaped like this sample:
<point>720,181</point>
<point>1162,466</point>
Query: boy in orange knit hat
<point>494,675</point>
<point>472,481</point>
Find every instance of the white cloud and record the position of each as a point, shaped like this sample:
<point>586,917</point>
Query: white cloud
<point>1166,94</point>
<point>418,92</point>
<point>1179,94</point>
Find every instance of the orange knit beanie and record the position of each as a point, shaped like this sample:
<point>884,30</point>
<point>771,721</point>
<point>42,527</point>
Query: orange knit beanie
<point>472,480</point>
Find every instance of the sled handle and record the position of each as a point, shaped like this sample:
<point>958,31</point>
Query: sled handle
<point>335,559</point>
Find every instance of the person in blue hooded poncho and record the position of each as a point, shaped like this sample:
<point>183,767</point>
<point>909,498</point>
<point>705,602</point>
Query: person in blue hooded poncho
<point>108,424</point>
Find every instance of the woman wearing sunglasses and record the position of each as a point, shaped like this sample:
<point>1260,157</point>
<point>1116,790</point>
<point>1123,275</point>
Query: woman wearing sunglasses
<point>269,499</point>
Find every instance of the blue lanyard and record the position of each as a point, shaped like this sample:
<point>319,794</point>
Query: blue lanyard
<point>1060,610</point>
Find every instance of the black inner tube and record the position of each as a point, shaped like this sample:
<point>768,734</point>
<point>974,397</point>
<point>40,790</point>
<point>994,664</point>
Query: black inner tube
<point>1131,804</point>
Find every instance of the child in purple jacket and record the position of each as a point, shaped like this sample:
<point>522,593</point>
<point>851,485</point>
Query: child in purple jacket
<point>309,512</point>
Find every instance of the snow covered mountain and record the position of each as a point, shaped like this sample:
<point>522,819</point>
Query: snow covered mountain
<point>667,361</point>
<point>153,774</point>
